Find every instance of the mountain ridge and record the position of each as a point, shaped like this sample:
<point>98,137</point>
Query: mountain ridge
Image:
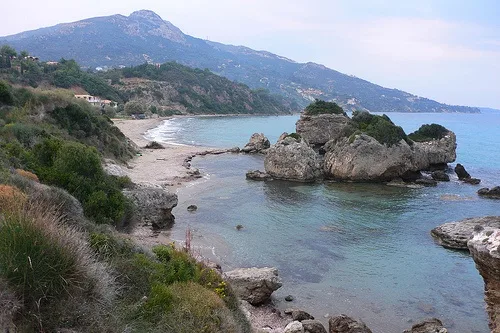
<point>143,36</point>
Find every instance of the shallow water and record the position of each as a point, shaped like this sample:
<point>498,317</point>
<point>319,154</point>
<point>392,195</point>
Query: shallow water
<point>359,249</point>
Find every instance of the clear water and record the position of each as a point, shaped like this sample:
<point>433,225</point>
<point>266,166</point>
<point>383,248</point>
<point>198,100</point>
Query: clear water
<point>359,249</point>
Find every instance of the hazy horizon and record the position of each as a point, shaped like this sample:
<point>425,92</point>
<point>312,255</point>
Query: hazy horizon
<point>445,51</point>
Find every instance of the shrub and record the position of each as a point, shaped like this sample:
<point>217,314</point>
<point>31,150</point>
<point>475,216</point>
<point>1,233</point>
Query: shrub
<point>109,246</point>
<point>321,107</point>
<point>428,133</point>
<point>378,127</point>
<point>186,307</point>
<point>294,136</point>
<point>154,145</point>
<point>28,175</point>
<point>6,96</point>
<point>11,198</point>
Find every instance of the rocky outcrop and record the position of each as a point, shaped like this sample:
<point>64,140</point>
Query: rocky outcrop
<point>254,285</point>
<point>366,159</point>
<point>153,206</point>
<point>257,175</point>
<point>485,249</point>
<point>464,176</point>
<point>113,169</point>
<point>432,325</point>
<point>258,143</point>
<point>493,193</point>
<point>363,158</point>
<point>454,235</point>
<point>435,152</point>
<point>318,130</point>
<point>345,324</point>
<point>292,159</point>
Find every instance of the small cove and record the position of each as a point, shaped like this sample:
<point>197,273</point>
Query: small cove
<point>360,249</point>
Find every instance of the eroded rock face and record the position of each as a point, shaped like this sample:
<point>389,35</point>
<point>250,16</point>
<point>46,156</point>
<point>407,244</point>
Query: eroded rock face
<point>257,144</point>
<point>153,206</point>
<point>292,159</point>
<point>484,247</point>
<point>432,325</point>
<point>320,129</point>
<point>254,285</point>
<point>435,152</point>
<point>345,324</point>
<point>454,235</point>
<point>365,159</point>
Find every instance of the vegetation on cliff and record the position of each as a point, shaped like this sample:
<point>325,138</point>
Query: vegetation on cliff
<point>428,132</point>
<point>322,107</point>
<point>61,267</point>
<point>378,127</point>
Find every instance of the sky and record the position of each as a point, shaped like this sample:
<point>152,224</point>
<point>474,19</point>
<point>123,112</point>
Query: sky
<point>447,50</point>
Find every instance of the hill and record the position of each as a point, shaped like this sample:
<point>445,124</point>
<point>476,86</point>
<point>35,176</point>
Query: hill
<point>489,110</point>
<point>118,40</point>
<point>164,89</point>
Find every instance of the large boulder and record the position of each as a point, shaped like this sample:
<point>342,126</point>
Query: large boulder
<point>292,159</point>
<point>345,324</point>
<point>432,325</point>
<point>257,144</point>
<point>153,206</point>
<point>454,235</point>
<point>485,249</point>
<point>461,172</point>
<point>435,152</point>
<point>254,285</point>
<point>363,158</point>
<point>319,129</point>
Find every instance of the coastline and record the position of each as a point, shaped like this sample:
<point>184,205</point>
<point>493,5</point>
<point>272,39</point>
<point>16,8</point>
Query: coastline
<point>166,168</point>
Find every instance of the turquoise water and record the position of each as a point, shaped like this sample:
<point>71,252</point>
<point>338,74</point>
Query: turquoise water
<point>359,249</point>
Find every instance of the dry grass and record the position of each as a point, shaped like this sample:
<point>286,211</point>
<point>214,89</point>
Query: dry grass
<point>11,198</point>
<point>27,174</point>
<point>48,265</point>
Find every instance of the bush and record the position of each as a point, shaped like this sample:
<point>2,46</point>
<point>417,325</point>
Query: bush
<point>294,136</point>
<point>28,175</point>
<point>321,107</point>
<point>11,198</point>
<point>378,127</point>
<point>6,96</point>
<point>186,307</point>
<point>154,145</point>
<point>428,133</point>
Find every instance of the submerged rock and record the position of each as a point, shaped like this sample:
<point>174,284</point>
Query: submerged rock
<point>345,324</point>
<point>192,208</point>
<point>257,175</point>
<point>485,249</point>
<point>319,129</point>
<point>153,206</point>
<point>426,182</point>
<point>257,144</point>
<point>301,315</point>
<point>292,159</point>
<point>432,325</point>
<point>254,285</point>
<point>490,193</point>
<point>454,235</point>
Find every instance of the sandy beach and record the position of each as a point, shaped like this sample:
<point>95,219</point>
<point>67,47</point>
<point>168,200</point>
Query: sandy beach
<point>156,167</point>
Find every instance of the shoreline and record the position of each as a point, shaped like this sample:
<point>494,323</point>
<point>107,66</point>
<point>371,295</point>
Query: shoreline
<point>167,168</point>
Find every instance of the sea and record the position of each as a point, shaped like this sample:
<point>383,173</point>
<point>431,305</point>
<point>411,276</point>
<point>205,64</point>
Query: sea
<point>363,250</point>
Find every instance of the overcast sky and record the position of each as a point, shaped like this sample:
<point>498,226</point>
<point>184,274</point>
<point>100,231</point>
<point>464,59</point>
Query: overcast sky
<point>448,50</point>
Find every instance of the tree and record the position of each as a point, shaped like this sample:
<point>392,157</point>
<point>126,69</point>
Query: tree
<point>24,54</point>
<point>134,107</point>
<point>6,53</point>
